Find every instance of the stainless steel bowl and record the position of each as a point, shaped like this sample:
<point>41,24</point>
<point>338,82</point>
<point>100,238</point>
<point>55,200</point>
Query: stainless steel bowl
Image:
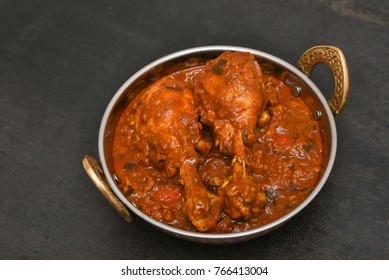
<point>297,78</point>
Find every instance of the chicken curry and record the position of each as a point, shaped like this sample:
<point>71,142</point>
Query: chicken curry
<point>222,147</point>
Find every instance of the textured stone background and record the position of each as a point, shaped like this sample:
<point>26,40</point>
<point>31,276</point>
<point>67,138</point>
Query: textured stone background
<point>60,64</point>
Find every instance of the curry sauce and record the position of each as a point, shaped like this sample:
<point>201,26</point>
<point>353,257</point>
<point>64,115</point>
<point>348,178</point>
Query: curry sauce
<point>217,148</point>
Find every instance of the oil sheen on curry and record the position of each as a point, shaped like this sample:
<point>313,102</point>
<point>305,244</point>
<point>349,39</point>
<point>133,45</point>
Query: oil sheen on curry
<point>218,148</point>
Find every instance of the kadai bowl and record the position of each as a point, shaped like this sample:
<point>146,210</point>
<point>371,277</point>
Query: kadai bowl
<point>219,144</point>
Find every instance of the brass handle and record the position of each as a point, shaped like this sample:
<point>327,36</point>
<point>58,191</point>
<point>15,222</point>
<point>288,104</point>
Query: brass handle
<point>93,169</point>
<point>334,58</point>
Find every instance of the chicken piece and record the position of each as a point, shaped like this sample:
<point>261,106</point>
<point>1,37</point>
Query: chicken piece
<point>230,99</point>
<point>167,133</point>
<point>242,198</point>
<point>202,207</point>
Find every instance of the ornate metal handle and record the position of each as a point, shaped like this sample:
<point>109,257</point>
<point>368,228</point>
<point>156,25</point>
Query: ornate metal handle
<point>93,169</point>
<point>334,58</point>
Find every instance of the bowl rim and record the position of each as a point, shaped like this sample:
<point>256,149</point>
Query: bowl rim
<point>217,236</point>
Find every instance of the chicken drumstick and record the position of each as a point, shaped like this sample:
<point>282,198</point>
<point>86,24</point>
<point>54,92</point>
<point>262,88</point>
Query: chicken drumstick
<point>230,98</point>
<point>167,130</point>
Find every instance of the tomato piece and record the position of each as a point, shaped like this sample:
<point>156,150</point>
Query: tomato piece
<point>167,194</point>
<point>283,141</point>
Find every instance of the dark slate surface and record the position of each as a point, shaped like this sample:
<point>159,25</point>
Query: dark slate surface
<point>61,62</point>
